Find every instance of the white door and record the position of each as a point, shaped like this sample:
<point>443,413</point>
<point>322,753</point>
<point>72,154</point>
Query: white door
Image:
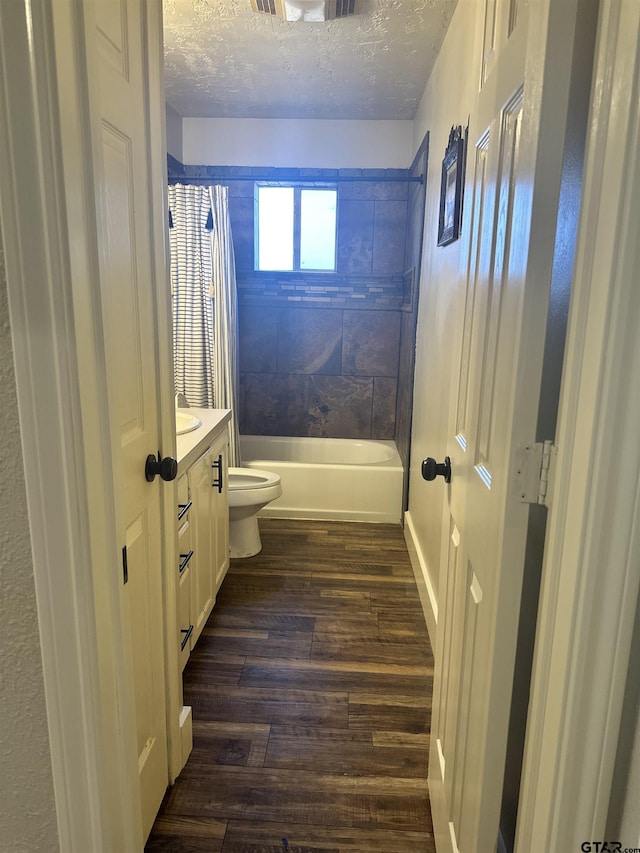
<point>514,156</point>
<point>127,281</point>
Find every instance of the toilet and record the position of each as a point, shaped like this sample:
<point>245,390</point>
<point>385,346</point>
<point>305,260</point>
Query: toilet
<point>249,491</point>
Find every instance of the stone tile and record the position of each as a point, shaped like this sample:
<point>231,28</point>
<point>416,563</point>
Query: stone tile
<point>218,171</point>
<point>241,215</point>
<point>275,404</point>
<point>195,171</point>
<point>371,342</point>
<point>241,402</point>
<point>373,190</point>
<point>383,418</point>
<point>174,166</point>
<point>241,189</point>
<point>340,407</point>
<point>258,339</point>
<point>355,236</point>
<point>389,237</point>
<point>309,340</point>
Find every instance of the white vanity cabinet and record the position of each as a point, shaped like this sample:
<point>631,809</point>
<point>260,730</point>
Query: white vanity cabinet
<point>203,523</point>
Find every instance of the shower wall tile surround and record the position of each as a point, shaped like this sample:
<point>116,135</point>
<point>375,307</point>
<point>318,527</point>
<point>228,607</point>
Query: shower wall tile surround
<point>320,352</point>
<point>327,373</point>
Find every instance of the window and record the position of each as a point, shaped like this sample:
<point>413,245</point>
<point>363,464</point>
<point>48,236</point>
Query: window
<point>295,228</point>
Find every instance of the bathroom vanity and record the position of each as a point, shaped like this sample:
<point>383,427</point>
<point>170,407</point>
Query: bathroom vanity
<point>203,521</point>
<point>202,557</point>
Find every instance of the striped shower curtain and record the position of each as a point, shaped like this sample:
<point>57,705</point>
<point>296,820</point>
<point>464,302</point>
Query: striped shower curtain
<point>203,282</point>
<point>193,322</point>
<point>225,314</point>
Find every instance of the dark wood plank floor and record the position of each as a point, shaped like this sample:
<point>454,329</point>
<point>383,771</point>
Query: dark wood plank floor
<point>311,694</point>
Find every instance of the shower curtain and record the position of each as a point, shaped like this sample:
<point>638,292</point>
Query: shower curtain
<point>225,314</point>
<point>203,287</point>
<point>193,324</point>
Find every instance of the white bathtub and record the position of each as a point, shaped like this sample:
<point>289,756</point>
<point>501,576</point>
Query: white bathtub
<point>329,478</point>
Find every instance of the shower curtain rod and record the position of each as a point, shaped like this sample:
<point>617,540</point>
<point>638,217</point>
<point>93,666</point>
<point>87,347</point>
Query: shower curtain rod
<point>209,179</point>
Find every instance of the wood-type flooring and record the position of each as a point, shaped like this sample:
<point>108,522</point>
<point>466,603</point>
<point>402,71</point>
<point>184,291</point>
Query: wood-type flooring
<point>311,694</point>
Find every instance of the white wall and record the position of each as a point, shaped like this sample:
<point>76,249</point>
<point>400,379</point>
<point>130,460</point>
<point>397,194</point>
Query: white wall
<point>298,143</point>
<point>27,811</point>
<point>447,101</point>
<point>174,133</point>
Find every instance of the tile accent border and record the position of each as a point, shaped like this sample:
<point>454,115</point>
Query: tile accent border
<point>327,291</point>
<point>177,172</point>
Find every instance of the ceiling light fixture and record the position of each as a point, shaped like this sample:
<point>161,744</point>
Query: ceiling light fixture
<point>312,11</point>
<point>305,10</point>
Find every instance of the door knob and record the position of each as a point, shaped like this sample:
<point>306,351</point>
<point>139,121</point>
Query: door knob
<point>432,469</point>
<point>167,468</point>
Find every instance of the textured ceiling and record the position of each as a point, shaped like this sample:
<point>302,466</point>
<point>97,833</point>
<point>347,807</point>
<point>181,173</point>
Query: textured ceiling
<point>223,60</point>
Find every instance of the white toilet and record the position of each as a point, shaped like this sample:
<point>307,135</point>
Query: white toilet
<point>249,491</point>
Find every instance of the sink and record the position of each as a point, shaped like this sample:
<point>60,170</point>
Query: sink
<point>186,423</point>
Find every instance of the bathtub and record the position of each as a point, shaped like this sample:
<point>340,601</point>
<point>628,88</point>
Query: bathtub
<point>329,478</point>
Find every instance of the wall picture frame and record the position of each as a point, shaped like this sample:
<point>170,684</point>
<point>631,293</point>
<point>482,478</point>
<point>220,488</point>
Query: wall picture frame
<point>451,187</point>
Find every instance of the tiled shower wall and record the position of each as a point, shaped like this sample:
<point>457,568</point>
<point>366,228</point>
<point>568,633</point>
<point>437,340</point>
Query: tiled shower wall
<point>327,372</point>
<point>320,353</point>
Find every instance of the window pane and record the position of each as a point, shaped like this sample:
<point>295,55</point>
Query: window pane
<point>318,229</point>
<point>275,228</point>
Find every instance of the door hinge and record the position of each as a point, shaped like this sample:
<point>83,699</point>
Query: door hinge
<point>535,471</point>
<point>125,567</point>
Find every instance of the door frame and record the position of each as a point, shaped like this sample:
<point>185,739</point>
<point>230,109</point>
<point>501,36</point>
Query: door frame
<point>49,224</point>
<point>585,625</point>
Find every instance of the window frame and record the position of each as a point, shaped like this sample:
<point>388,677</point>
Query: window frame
<point>297,187</point>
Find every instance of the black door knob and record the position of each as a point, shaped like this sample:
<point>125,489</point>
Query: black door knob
<point>432,469</point>
<point>167,468</point>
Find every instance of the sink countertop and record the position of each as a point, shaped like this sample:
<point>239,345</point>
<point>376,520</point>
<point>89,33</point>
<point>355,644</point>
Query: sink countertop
<point>191,445</point>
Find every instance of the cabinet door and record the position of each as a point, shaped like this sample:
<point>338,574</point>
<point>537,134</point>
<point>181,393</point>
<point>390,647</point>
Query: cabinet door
<point>220,510</point>
<point>202,576</point>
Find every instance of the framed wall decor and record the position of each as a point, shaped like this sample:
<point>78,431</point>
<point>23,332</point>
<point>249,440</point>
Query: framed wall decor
<point>451,187</point>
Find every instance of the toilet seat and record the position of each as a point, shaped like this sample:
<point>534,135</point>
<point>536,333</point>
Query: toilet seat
<point>251,478</point>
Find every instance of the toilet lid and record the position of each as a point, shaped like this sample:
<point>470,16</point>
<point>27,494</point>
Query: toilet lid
<point>251,478</point>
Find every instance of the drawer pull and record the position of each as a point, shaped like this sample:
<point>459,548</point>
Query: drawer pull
<point>187,634</point>
<point>184,509</point>
<point>185,559</point>
<point>218,482</point>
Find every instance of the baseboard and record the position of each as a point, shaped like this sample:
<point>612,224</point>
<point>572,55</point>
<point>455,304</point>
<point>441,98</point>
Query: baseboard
<point>315,514</point>
<point>423,579</point>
